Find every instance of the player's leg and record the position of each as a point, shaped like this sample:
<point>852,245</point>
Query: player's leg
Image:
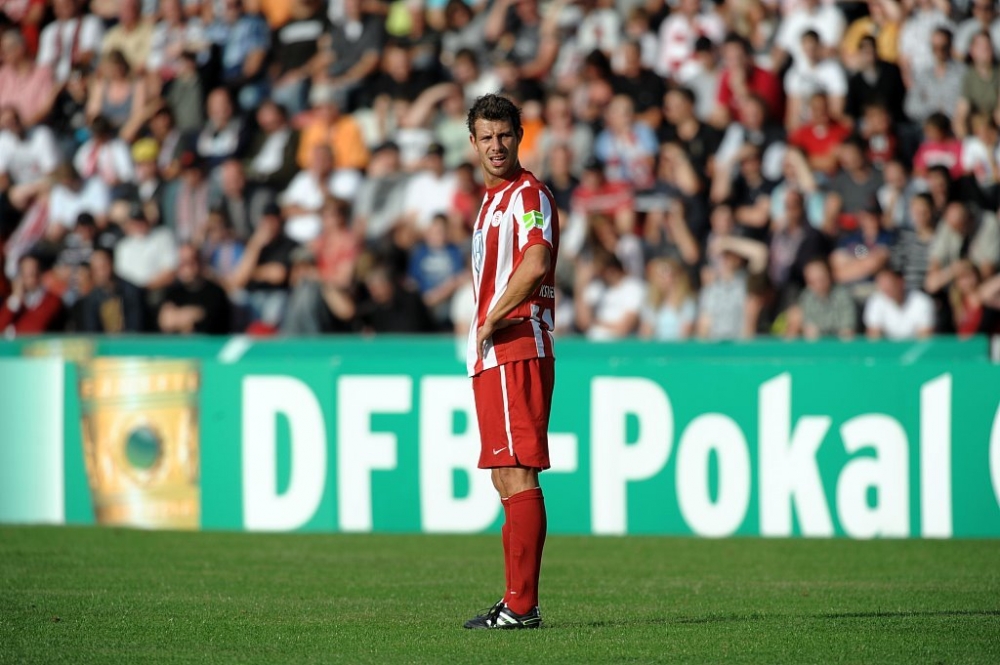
<point>504,530</point>
<point>528,527</point>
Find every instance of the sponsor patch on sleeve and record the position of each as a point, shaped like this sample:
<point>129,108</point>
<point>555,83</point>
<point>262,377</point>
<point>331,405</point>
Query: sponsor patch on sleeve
<point>533,219</point>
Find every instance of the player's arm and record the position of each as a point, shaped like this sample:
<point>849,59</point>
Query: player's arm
<point>528,276</point>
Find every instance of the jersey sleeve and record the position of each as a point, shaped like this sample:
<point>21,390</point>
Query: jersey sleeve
<point>533,218</point>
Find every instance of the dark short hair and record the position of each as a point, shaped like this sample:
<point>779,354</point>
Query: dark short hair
<point>685,92</point>
<point>494,108</point>
<point>810,34</point>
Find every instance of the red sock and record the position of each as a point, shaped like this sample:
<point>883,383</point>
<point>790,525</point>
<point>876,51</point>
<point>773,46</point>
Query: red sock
<point>527,538</point>
<point>505,536</point>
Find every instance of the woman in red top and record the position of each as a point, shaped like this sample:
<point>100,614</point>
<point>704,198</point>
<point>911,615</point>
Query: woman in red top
<point>966,300</point>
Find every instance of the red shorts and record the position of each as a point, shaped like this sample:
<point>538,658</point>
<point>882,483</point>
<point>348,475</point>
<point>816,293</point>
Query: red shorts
<point>513,402</point>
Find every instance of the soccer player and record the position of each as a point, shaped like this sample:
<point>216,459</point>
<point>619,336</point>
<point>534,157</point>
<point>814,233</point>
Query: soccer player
<point>510,352</point>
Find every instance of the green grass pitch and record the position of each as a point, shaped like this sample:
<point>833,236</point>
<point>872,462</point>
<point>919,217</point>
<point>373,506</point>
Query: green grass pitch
<point>88,595</point>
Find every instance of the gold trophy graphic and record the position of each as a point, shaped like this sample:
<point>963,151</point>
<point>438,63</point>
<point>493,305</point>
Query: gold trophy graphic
<point>140,441</point>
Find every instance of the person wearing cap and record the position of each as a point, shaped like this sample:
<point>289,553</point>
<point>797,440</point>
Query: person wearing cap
<point>148,183</point>
<point>147,255</point>
<point>328,125</point>
<point>862,254</point>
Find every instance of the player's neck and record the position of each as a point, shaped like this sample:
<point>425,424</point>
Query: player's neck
<point>495,184</point>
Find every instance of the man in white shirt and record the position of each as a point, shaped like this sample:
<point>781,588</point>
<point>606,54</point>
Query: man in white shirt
<point>70,40</point>
<point>825,19</point>
<point>27,158</point>
<point>893,312</point>
<point>302,201</point>
<point>813,74</point>
<point>71,196</point>
<point>429,191</point>
<point>610,305</point>
<point>146,256</point>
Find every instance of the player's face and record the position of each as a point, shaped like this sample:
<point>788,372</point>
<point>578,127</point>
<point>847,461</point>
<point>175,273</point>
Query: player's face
<point>496,143</point>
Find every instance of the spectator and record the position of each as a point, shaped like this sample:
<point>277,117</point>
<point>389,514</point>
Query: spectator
<point>188,207</point>
<point>380,200</point>
<point>793,245</point>
<point>243,39</point>
<point>74,251</point>
<point>824,20</point>
<point>113,304</point>
<point>174,34</point>
<point>936,86</point>
<point>820,137</point>
<point>679,33</point>
<point>302,201</point>
<point>854,187</point>
<point>911,254</point>
<point>749,194</point>
<point>329,126</point>
<point>965,300</point>
<point>193,303</point>
<point>980,151</point>
<point>678,190</point>
<point>610,300</point>
<point>30,308</point>
<point>882,25</point>
<point>149,188</point>
<point>757,129</point>
<point>351,54</point>
<point>132,36</point>
<point>961,235</point>
<point>105,156</point>
<point>939,148</point>
<point>923,24</point>
<point>596,195</point>
<point>260,280</point>
<point>874,81</point>
<point>515,29</point>
<point>722,305</point>
<point>895,313</point>
<point>980,85</point>
<point>24,86</point>
<point>701,75</point>
<point>983,20</point>
<point>316,306</point>
<point>70,197</point>
<point>861,254</point>
<point>741,78</point>
<point>295,55</point>
<point>71,39</point>
<point>270,160</point>
<point>798,177</point>
<point>437,268</point>
<point>562,129</point>
<point>429,191</point>
<point>168,136</point>
<point>628,148</point>
<point>698,141</point>
<point>28,156</point>
<point>185,97</point>
<point>810,74</point>
<point>669,312</point>
<point>878,135</point>
<point>224,137</point>
<point>235,199</point>
<point>66,114</point>
<point>391,307</point>
<point>639,84</point>
<point>222,250</point>
<point>823,309</point>
<point>118,96</point>
<point>147,255</point>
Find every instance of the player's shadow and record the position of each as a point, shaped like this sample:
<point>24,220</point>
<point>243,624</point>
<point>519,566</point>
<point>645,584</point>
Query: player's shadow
<point>757,617</point>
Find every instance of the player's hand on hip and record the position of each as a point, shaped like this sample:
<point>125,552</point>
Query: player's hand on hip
<point>487,329</point>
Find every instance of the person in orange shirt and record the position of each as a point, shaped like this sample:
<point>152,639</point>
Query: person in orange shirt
<point>326,124</point>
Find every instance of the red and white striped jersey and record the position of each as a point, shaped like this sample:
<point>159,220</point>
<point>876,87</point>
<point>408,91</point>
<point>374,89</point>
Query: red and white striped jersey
<point>515,215</point>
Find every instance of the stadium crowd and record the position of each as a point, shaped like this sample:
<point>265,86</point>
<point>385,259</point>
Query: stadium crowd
<point>723,169</point>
